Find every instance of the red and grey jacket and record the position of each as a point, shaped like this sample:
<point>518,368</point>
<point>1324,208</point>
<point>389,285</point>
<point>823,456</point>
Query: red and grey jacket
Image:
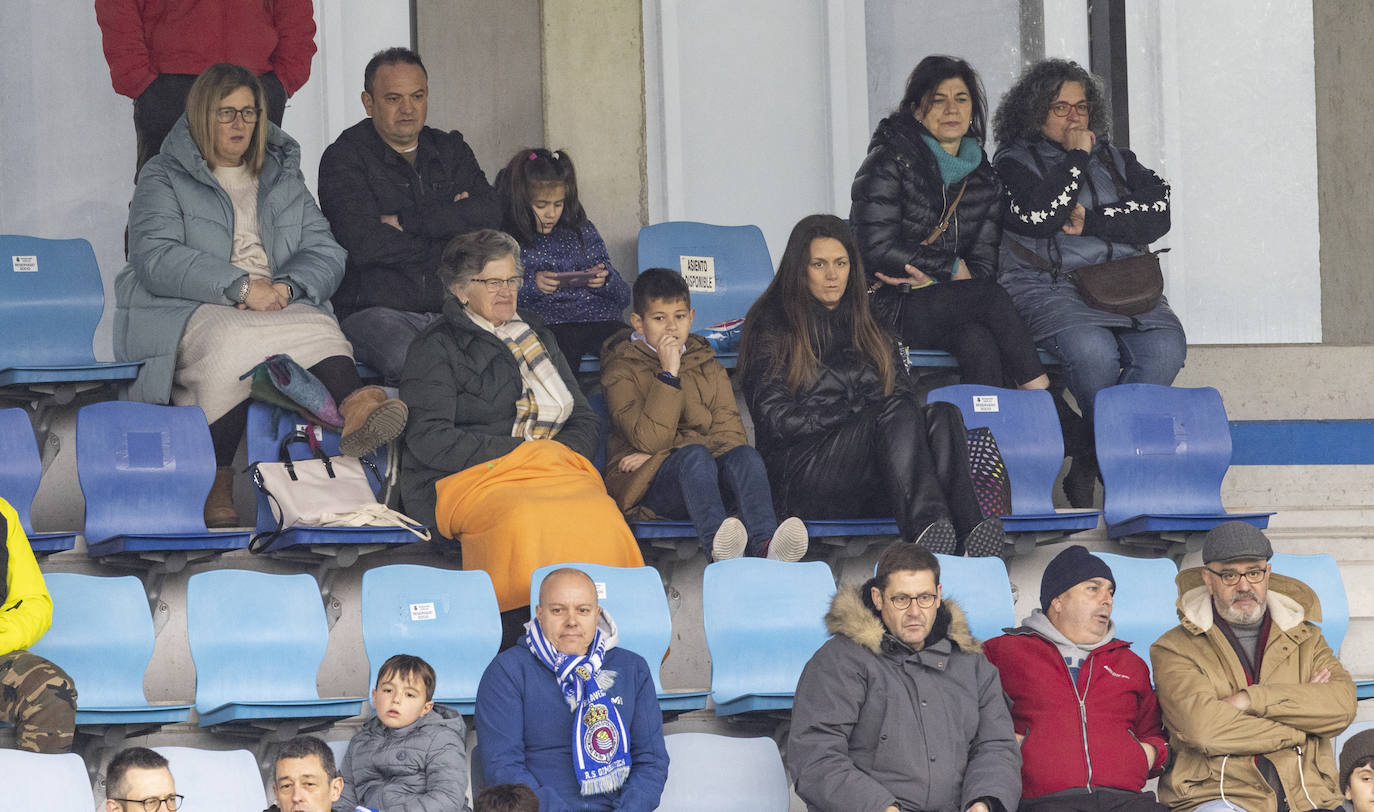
<point>1085,734</point>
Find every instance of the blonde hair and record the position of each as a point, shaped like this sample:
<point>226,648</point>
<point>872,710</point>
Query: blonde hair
<point>212,87</point>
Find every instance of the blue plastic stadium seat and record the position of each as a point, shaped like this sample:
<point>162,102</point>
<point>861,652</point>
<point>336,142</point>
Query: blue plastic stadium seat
<point>266,428</point>
<point>20,471</point>
<point>51,299</point>
<point>1163,452</point>
<point>1320,572</point>
<point>982,589</point>
<point>448,617</point>
<point>764,619</point>
<point>1143,606</point>
<point>1027,431</point>
<point>223,780</point>
<point>102,635</point>
<point>634,597</point>
<point>724,774</point>
<point>54,782</point>
<point>145,471</point>
<point>257,640</point>
<point>727,267</point>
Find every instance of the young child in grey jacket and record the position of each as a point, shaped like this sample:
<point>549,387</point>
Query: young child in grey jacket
<point>411,756</point>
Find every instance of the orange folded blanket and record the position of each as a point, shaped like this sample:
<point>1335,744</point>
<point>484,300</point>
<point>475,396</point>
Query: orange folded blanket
<point>542,503</point>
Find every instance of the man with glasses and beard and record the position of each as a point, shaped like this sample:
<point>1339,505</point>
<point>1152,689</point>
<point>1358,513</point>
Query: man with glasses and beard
<point>1250,690</point>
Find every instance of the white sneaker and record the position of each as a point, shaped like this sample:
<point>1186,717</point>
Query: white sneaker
<point>730,540</point>
<point>789,541</point>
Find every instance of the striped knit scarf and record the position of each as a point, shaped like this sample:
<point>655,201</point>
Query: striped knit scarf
<point>546,403</point>
<point>600,740</point>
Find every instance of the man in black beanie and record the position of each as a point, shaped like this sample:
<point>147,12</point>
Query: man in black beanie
<point>1085,714</point>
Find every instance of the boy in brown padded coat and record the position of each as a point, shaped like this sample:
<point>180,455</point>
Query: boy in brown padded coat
<point>678,448</point>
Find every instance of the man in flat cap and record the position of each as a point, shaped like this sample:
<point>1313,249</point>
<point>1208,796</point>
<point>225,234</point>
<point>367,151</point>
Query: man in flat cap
<point>1250,691</point>
<point>1081,701</point>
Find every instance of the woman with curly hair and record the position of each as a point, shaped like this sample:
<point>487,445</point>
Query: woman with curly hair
<point>840,428</point>
<point>927,217</point>
<point>1074,200</point>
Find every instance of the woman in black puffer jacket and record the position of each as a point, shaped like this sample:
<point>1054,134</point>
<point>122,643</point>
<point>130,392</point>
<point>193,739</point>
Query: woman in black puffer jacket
<point>836,416</point>
<point>936,287</point>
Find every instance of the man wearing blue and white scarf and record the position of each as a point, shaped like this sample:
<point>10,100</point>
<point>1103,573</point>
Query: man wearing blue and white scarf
<point>569,713</point>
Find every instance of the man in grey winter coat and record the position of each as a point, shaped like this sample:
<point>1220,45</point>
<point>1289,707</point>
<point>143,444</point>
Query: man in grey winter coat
<point>899,711</point>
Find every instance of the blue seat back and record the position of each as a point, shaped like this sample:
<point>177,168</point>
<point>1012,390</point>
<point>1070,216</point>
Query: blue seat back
<point>268,426</point>
<point>1026,428</point>
<point>727,267</point>
<point>1143,606</point>
<point>254,636</point>
<point>226,780</point>
<point>983,590</point>
<point>1320,572</point>
<point>1162,450</point>
<point>101,635</point>
<point>447,617</point>
<point>54,782</point>
<point>634,598</point>
<point>723,774</point>
<point>143,468</point>
<point>764,619</point>
<point>51,299</point>
<point>21,468</point>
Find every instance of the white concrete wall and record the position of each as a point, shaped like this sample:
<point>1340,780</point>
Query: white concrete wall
<point>67,158</point>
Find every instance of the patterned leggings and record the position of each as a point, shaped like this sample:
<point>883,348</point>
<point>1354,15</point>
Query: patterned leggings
<point>39,699</point>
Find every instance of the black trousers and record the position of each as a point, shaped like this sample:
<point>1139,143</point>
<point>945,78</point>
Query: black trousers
<point>159,106</point>
<point>895,458</point>
<point>972,319</point>
<point>1100,799</point>
<point>338,374</point>
<point>578,338</point>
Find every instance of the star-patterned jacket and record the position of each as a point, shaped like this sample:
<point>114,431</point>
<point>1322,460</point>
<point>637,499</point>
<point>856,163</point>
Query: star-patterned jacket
<point>1123,210</point>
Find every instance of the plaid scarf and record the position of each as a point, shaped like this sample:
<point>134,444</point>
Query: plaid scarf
<point>546,403</point>
<point>600,740</point>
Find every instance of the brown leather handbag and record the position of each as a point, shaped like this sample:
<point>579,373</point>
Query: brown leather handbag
<point>1127,286</point>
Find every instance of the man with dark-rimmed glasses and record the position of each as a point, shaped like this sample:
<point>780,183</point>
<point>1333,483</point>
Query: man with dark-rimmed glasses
<point>1250,690</point>
<point>138,780</point>
<point>899,711</point>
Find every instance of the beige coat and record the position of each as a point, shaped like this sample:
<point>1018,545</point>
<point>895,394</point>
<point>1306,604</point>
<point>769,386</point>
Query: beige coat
<point>652,417</point>
<point>1290,722</point>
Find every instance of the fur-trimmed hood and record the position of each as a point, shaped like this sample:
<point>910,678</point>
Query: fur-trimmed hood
<point>853,615</point>
<point>1289,602</point>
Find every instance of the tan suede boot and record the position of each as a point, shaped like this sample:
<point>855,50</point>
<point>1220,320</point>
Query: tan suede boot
<point>371,419</point>
<point>219,505</point>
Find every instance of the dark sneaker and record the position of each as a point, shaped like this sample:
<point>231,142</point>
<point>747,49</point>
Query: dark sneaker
<point>1081,482</point>
<point>987,539</point>
<point>939,537</point>
<point>789,541</point>
<point>730,539</point>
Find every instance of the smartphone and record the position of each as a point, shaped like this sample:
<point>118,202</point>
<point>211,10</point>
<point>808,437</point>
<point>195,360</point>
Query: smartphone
<point>576,279</point>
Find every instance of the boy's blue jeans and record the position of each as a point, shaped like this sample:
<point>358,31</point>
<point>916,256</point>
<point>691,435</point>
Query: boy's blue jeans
<point>692,485</point>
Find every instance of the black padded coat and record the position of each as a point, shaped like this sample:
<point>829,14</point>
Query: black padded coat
<point>461,383</point>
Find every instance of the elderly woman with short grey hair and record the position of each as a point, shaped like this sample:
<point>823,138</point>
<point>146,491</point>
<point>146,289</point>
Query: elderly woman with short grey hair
<point>498,447</point>
<point>1074,200</point>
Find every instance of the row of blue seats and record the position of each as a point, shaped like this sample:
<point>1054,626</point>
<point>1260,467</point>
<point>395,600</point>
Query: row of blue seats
<point>762,621</point>
<point>746,775</point>
<point>144,470</point>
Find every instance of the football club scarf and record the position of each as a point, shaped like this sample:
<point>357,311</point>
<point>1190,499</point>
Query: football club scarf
<point>600,740</point>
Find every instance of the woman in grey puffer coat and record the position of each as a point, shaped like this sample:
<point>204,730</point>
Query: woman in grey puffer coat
<point>230,261</point>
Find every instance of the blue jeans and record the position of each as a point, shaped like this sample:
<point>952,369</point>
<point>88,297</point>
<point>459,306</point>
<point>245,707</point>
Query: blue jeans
<point>381,337</point>
<point>692,485</point>
<point>1097,357</point>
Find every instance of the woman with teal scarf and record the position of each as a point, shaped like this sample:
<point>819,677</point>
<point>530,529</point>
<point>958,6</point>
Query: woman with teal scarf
<point>926,214</point>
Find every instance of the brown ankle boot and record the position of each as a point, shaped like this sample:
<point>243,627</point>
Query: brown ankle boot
<point>371,419</point>
<point>219,505</point>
